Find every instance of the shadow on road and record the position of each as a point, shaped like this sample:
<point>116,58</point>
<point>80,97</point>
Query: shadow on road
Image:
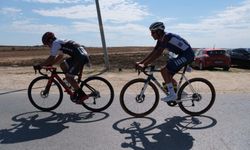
<point>144,134</point>
<point>13,91</point>
<point>38,125</point>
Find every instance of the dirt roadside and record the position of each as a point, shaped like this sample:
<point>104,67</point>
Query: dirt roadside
<point>18,78</point>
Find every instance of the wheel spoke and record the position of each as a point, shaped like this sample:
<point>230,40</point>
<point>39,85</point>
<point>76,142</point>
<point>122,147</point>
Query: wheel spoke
<point>43,99</point>
<point>100,91</point>
<point>198,98</point>
<point>139,99</point>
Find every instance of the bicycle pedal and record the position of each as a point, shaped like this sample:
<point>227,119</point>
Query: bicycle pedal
<point>172,103</point>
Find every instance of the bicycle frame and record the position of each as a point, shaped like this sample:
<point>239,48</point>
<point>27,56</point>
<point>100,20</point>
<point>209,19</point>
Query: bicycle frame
<point>150,74</point>
<point>55,75</point>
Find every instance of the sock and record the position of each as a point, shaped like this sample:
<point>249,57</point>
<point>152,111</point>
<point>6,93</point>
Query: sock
<point>170,88</point>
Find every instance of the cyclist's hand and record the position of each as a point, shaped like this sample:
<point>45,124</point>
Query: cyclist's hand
<point>37,67</point>
<point>140,66</point>
<point>137,65</point>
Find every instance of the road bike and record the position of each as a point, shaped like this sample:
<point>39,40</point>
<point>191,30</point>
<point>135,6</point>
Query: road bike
<point>46,94</point>
<point>139,97</point>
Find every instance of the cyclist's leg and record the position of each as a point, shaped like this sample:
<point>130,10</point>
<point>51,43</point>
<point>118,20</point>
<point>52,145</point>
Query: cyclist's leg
<point>172,67</point>
<point>64,65</point>
<point>74,69</point>
<point>68,67</point>
<point>71,68</point>
<point>167,75</point>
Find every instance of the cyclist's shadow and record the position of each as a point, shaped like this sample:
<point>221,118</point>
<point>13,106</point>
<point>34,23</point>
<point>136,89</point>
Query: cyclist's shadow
<point>171,134</point>
<point>38,125</point>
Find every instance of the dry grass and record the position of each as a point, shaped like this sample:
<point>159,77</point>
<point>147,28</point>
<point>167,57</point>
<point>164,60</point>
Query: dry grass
<point>119,57</point>
<point>13,78</point>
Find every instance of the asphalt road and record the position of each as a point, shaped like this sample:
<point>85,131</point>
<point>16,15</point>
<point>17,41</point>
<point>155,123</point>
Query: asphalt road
<point>226,126</point>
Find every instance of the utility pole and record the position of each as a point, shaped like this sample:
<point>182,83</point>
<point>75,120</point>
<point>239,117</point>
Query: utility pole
<point>105,51</point>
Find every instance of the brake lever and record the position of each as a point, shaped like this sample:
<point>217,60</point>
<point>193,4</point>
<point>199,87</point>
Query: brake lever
<point>139,72</point>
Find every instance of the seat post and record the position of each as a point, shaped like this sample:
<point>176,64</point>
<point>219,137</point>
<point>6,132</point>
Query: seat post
<point>184,69</point>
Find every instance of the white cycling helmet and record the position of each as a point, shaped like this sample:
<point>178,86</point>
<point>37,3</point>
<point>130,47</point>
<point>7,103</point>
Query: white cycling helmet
<point>157,26</point>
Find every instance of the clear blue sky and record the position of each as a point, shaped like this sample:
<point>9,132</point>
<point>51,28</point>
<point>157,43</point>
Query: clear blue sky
<point>204,23</point>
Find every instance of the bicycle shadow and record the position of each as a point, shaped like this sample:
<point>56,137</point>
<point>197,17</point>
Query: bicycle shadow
<point>172,134</point>
<point>13,91</point>
<point>37,125</point>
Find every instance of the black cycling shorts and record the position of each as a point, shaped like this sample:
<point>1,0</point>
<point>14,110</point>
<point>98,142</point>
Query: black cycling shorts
<point>75,65</point>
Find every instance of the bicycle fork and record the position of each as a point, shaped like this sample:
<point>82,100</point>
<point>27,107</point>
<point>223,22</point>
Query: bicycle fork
<point>44,93</point>
<point>140,98</point>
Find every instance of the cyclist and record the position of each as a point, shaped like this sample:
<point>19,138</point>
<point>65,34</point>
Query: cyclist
<point>71,66</point>
<point>174,43</point>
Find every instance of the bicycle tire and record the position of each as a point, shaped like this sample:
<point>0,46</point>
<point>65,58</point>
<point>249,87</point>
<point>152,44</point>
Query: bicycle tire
<point>205,89</point>
<point>103,88</point>
<point>43,102</point>
<point>154,91</point>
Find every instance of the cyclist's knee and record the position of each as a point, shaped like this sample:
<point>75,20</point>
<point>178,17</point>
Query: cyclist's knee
<point>166,72</point>
<point>64,67</point>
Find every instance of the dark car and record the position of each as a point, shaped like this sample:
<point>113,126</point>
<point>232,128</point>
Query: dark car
<point>210,58</point>
<point>240,56</point>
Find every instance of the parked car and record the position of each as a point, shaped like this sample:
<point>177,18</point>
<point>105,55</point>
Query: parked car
<point>210,58</point>
<point>240,56</point>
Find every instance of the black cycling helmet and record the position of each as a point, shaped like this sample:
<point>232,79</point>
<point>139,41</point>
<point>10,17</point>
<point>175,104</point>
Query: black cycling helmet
<point>47,37</point>
<point>157,26</point>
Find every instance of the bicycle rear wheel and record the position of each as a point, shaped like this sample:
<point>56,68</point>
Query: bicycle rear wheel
<point>101,93</point>
<point>197,96</point>
<point>137,103</point>
<point>45,99</point>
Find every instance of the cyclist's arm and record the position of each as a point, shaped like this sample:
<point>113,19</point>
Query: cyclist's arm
<point>153,55</point>
<point>156,53</point>
<point>49,61</point>
<point>58,58</point>
<point>54,55</point>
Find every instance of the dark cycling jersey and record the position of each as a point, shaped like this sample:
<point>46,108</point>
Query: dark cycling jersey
<point>174,43</point>
<point>68,47</point>
<point>78,55</point>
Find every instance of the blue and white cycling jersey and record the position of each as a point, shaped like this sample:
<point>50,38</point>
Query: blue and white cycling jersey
<point>174,43</point>
<point>177,45</point>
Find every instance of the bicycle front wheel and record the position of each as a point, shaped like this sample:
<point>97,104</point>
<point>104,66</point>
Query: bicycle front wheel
<point>139,98</point>
<point>100,91</point>
<point>197,96</point>
<point>44,97</point>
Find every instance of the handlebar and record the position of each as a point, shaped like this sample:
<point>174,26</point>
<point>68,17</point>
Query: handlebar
<point>47,68</point>
<point>148,70</point>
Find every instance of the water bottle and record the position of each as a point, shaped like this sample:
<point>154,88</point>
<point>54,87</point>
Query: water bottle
<point>164,85</point>
<point>67,83</point>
